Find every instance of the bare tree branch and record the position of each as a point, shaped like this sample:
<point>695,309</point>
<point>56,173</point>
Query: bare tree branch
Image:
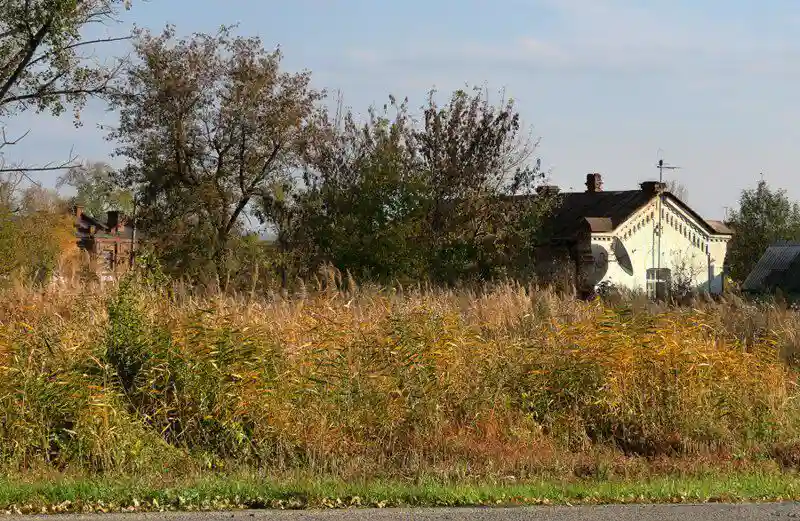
<point>77,45</point>
<point>7,142</point>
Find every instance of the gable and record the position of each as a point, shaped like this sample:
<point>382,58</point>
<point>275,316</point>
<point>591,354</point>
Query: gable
<point>674,214</point>
<point>710,227</point>
<point>635,221</point>
<point>681,219</point>
<point>606,212</point>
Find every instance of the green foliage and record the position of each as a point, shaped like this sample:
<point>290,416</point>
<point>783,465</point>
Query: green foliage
<point>362,208</point>
<point>389,200</point>
<point>764,216</point>
<point>128,339</point>
<point>36,234</point>
<point>207,124</point>
<point>96,190</point>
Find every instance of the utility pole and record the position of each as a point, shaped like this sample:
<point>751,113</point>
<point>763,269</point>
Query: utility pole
<point>661,167</point>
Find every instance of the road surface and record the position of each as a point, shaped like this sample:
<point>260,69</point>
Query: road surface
<point>709,512</point>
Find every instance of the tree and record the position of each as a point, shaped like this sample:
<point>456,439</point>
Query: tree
<point>45,62</point>
<point>391,199</point>
<point>763,217</point>
<point>207,124</point>
<point>96,189</point>
<point>36,233</point>
<point>361,201</point>
<point>678,190</point>
<point>475,160</point>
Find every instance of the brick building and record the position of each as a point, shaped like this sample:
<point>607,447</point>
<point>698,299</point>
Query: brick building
<point>109,244</point>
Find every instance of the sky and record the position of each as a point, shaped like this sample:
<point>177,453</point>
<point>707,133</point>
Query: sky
<point>606,86</point>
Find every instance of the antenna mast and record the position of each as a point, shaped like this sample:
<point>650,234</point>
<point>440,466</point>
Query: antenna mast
<point>661,165</point>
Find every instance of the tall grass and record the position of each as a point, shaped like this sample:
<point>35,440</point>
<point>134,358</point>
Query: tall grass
<point>501,381</point>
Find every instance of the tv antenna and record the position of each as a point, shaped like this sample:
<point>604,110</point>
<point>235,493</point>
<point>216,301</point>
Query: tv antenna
<point>664,166</point>
<point>661,165</point>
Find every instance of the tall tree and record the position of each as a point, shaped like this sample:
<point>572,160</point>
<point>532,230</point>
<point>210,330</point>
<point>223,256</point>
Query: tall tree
<point>763,217</point>
<point>361,200</point>
<point>473,155</point>
<point>96,189</point>
<point>390,198</point>
<point>207,124</point>
<point>47,61</point>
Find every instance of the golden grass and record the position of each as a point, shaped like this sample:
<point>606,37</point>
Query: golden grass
<point>502,381</point>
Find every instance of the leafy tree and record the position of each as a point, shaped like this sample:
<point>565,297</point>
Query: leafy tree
<point>362,202</point>
<point>392,199</point>
<point>96,189</point>
<point>46,59</point>
<point>207,124</point>
<point>763,217</point>
<point>474,154</point>
<point>36,234</point>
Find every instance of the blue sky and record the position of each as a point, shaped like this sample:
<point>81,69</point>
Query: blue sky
<point>605,84</point>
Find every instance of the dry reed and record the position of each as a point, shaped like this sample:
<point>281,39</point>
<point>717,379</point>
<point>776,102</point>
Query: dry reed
<point>504,380</point>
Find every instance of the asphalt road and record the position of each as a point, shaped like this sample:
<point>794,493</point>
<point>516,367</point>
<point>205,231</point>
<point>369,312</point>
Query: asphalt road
<point>709,512</point>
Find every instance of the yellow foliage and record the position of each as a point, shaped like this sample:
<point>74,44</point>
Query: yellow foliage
<point>508,380</point>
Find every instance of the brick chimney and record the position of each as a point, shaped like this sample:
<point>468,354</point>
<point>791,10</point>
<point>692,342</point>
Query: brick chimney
<point>78,211</point>
<point>112,219</point>
<point>653,187</point>
<point>594,183</point>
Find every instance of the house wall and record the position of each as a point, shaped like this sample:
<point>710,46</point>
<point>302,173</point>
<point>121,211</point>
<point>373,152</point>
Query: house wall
<point>687,249</point>
<point>108,249</point>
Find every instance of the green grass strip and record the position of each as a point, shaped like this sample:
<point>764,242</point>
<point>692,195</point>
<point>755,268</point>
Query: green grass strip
<point>220,493</point>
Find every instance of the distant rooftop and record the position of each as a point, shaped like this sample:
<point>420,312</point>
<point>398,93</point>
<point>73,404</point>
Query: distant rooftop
<point>778,267</point>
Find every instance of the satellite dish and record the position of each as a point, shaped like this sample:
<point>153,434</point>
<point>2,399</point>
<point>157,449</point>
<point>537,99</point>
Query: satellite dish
<point>621,253</point>
<point>599,266</point>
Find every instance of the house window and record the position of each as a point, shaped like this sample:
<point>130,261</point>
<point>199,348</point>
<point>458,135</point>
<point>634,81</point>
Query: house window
<point>658,282</point>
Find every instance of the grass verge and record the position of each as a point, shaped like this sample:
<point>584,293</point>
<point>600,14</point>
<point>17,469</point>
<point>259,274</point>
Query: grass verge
<point>69,494</point>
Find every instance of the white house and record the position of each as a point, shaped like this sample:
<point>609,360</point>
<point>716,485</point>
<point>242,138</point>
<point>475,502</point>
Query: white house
<point>644,239</point>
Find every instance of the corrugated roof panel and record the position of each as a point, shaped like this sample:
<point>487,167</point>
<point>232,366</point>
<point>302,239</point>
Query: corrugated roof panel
<point>777,259</point>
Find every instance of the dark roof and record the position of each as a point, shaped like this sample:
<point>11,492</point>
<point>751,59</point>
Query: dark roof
<point>777,267</point>
<point>605,211</point>
<point>601,211</point>
<point>103,230</point>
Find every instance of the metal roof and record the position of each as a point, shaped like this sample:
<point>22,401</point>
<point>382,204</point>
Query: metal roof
<point>772,268</point>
